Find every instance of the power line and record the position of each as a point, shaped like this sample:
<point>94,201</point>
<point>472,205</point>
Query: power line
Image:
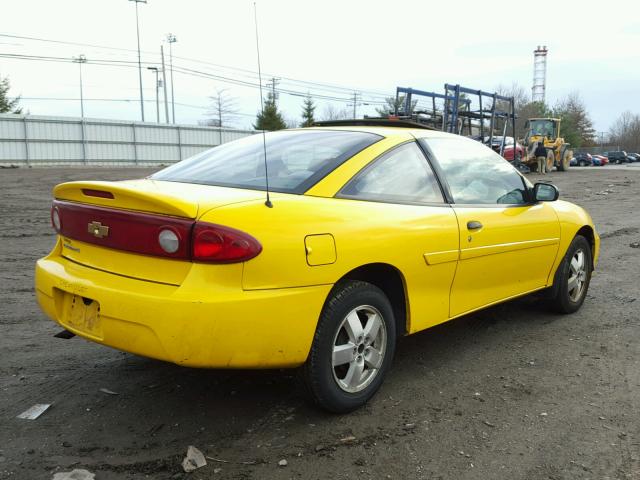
<point>186,71</point>
<point>320,85</point>
<point>126,100</point>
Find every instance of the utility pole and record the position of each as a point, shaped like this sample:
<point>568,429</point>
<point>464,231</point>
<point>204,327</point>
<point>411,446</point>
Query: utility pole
<point>80,59</point>
<point>139,62</point>
<point>157,86</point>
<point>273,83</point>
<point>355,104</point>
<point>164,82</point>
<point>171,39</point>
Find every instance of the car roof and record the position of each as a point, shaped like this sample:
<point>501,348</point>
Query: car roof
<point>388,131</point>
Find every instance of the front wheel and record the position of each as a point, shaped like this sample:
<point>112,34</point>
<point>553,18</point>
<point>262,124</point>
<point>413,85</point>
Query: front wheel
<point>565,162</point>
<point>352,349</point>
<point>551,160</point>
<point>572,277</point>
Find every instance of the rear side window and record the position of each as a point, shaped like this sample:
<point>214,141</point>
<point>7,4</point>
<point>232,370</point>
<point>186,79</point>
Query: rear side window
<point>296,160</point>
<point>401,175</point>
<point>476,174</point>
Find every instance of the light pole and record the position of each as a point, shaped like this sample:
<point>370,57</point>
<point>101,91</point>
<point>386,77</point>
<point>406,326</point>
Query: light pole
<point>164,86</point>
<point>156,71</point>
<point>139,62</point>
<point>80,59</point>
<point>171,39</point>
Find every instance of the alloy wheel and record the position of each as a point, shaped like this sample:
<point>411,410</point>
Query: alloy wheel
<point>359,348</point>
<point>577,275</point>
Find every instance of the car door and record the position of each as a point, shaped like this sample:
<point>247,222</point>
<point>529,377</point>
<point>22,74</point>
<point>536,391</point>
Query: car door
<point>408,224</point>
<point>507,244</point>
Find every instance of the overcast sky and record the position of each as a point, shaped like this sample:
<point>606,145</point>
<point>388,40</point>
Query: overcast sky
<point>367,46</point>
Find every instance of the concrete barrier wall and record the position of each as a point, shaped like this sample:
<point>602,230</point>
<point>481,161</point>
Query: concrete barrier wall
<point>39,140</point>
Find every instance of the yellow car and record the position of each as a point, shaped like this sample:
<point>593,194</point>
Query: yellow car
<point>366,233</point>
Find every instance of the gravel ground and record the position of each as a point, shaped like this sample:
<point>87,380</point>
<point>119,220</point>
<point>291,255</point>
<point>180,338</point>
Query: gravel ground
<point>513,392</point>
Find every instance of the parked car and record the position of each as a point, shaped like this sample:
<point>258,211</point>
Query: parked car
<point>365,234</point>
<point>583,159</point>
<point>633,157</point>
<point>603,160</point>
<point>617,157</point>
<point>508,149</point>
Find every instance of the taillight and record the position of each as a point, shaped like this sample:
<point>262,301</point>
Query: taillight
<point>130,231</point>
<point>218,244</point>
<point>56,221</point>
<point>152,234</point>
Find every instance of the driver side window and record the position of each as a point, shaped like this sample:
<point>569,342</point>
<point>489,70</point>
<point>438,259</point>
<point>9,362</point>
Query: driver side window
<point>476,174</point>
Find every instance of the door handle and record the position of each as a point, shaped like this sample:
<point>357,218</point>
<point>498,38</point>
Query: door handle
<point>474,225</point>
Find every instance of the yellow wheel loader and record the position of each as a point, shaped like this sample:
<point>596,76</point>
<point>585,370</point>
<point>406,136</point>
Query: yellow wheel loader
<point>546,130</point>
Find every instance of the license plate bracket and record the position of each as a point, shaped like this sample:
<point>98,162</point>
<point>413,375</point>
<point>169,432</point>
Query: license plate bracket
<point>82,314</point>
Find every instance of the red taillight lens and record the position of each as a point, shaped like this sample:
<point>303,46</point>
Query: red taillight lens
<point>218,244</point>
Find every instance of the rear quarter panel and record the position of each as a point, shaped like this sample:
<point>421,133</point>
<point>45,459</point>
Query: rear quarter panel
<point>363,233</point>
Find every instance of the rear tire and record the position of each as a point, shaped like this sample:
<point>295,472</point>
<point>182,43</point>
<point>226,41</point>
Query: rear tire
<point>572,278</point>
<point>352,349</point>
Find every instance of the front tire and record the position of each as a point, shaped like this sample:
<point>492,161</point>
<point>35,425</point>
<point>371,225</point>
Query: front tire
<point>551,161</point>
<point>572,277</point>
<point>352,349</point>
<point>564,164</point>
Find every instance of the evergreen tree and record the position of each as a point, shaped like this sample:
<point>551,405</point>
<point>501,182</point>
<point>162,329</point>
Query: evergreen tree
<point>308,108</point>
<point>576,128</point>
<point>7,105</point>
<point>270,119</point>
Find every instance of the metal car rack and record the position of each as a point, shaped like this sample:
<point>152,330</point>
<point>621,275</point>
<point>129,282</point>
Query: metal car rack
<point>436,116</point>
<point>455,116</point>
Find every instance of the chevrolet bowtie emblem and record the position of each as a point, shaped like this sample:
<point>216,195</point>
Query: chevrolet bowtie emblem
<point>98,230</point>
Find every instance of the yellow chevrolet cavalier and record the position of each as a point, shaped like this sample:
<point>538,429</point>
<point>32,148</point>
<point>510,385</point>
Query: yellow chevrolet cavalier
<point>371,233</point>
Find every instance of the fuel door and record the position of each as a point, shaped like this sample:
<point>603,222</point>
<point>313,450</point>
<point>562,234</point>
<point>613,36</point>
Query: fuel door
<point>320,249</point>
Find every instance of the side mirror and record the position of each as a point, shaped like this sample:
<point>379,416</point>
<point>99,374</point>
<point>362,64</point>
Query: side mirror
<point>545,192</point>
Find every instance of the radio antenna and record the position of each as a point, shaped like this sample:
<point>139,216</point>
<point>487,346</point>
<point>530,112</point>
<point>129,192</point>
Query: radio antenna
<point>264,137</point>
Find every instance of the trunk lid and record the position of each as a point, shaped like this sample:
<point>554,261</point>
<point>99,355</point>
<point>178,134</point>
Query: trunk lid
<point>115,204</point>
<point>186,200</point>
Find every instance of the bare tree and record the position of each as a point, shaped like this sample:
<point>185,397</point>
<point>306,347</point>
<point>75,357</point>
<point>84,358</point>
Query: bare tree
<point>332,113</point>
<point>525,108</point>
<point>395,104</point>
<point>291,122</point>
<point>223,109</point>
<point>517,91</point>
<point>625,131</point>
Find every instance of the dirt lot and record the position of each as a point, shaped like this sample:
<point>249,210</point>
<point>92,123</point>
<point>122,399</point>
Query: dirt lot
<point>513,392</point>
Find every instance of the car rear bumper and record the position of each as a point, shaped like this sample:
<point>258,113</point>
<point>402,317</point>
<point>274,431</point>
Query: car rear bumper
<point>229,328</point>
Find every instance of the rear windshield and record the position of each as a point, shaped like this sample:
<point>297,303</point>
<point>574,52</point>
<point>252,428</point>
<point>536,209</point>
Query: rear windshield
<point>296,160</point>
